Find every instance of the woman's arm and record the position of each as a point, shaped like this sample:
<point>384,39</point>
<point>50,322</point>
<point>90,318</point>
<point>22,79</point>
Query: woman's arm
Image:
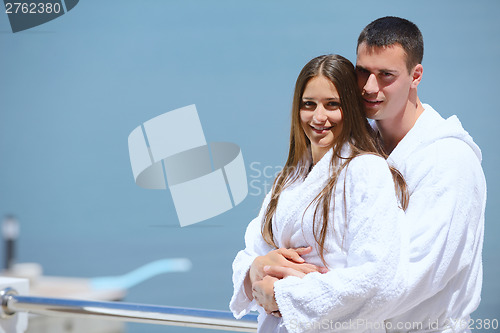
<point>248,264</point>
<point>255,246</point>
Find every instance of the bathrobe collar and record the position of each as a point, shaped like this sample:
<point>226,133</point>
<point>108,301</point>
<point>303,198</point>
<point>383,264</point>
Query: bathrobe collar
<point>429,128</point>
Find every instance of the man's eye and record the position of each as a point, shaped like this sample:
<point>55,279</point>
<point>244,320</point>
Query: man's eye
<point>387,77</point>
<point>361,72</point>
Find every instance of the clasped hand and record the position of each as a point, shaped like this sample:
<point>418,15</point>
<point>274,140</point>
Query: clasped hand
<point>275,265</point>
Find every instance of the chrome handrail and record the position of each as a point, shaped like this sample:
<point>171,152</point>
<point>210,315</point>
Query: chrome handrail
<point>142,313</point>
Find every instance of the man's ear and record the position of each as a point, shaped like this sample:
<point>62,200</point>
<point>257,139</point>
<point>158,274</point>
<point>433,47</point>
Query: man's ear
<point>418,70</point>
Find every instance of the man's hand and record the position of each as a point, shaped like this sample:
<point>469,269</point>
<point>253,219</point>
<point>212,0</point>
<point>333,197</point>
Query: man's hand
<point>279,272</point>
<point>290,258</point>
<point>263,292</point>
<point>285,258</point>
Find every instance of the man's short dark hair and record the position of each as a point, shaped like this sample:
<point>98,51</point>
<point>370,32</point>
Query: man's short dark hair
<point>390,30</point>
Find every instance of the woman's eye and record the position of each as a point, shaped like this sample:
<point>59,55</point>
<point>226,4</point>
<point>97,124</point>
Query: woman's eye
<point>333,105</point>
<point>308,105</point>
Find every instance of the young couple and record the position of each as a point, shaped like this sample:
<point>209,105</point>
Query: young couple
<point>367,228</point>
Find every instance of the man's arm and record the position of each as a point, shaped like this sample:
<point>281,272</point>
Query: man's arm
<point>376,256</point>
<point>286,258</point>
<point>248,265</point>
<point>446,220</point>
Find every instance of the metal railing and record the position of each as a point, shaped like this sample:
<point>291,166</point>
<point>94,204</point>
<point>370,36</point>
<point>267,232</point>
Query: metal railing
<point>142,313</point>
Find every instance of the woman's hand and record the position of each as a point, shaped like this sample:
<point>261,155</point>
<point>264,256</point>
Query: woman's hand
<point>263,293</point>
<point>263,290</point>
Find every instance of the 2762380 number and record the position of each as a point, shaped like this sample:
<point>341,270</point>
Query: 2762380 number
<point>32,8</point>
<point>483,324</point>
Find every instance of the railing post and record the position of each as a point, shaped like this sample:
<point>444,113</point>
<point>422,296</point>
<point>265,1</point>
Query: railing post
<point>12,322</point>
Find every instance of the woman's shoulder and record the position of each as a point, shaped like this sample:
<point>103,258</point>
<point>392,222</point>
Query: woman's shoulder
<point>368,161</point>
<point>368,168</point>
<point>367,175</point>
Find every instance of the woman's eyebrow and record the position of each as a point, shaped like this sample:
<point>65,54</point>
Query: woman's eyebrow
<point>326,99</point>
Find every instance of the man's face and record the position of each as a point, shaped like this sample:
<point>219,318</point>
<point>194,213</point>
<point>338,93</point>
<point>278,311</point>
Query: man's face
<point>383,79</point>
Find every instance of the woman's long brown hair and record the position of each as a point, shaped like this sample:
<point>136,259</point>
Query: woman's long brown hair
<point>356,131</point>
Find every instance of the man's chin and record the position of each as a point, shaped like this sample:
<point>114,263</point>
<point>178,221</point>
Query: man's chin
<point>372,114</point>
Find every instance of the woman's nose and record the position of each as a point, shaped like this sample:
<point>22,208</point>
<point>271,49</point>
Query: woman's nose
<point>319,114</point>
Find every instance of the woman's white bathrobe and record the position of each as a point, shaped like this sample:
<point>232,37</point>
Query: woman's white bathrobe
<point>365,253</point>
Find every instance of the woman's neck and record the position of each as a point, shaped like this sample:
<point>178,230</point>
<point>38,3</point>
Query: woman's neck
<point>318,153</point>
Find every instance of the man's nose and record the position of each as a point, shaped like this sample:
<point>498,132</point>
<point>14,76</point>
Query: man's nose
<point>371,85</point>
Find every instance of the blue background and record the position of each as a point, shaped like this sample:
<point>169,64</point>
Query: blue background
<point>72,90</point>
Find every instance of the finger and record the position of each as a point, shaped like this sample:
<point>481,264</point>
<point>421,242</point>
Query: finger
<point>256,287</point>
<point>282,272</point>
<point>257,298</point>
<point>305,268</point>
<point>272,279</point>
<point>303,250</point>
<point>275,271</point>
<point>291,255</point>
<point>269,308</point>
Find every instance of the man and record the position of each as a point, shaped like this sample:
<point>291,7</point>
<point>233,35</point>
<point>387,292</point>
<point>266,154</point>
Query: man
<point>441,165</point>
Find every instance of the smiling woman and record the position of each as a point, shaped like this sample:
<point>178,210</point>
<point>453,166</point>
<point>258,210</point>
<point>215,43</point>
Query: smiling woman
<point>321,115</point>
<point>335,202</point>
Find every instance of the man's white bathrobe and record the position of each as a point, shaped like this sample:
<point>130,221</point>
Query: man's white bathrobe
<point>364,251</point>
<point>442,167</point>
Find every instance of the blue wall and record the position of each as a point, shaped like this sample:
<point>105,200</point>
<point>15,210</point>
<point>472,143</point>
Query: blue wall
<point>71,91</point>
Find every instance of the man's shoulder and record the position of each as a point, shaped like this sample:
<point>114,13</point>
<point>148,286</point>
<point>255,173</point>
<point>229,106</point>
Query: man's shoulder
<point>440,139</point>
<point>447,150</point>
<point>445,160</point>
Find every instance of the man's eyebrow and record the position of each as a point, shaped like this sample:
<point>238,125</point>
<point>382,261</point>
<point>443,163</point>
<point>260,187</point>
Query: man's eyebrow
<point>382,70</point>
<point>393,71</point>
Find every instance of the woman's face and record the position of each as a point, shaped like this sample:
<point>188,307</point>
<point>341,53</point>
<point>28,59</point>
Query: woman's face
<point>321,115</point>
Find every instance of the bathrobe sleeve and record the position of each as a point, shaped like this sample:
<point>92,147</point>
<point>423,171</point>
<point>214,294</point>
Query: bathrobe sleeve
<point>364,291</point>
<point>446,216</point>
<point>255,246</point>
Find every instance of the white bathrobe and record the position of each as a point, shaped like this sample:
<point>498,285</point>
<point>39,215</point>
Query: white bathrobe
<point>365,253</point>
<point>442,167</point>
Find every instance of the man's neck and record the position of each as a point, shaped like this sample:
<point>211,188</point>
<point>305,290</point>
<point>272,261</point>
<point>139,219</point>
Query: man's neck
<point>393,130</point>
